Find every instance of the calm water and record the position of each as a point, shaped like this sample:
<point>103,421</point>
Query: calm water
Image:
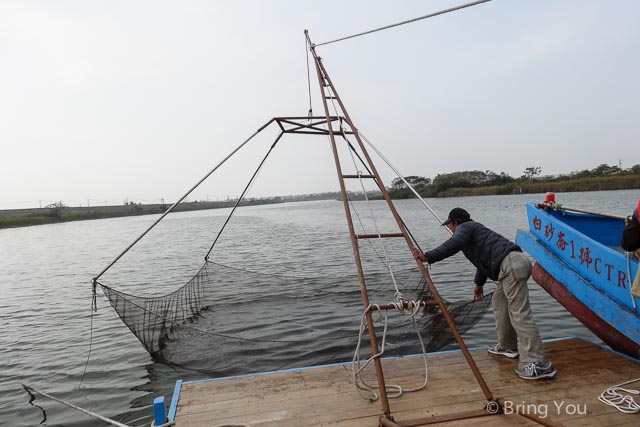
<point>45,305</point>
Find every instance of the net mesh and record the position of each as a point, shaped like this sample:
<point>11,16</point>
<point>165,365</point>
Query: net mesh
<point>225,319</point>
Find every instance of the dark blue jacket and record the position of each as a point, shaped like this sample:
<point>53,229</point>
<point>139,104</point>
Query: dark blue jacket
<point>483,247</point>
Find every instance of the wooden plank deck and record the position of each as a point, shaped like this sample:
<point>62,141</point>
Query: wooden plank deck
<point>325,396</point>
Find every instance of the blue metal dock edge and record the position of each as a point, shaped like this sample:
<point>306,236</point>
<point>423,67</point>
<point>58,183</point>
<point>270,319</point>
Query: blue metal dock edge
<point>174,401</point>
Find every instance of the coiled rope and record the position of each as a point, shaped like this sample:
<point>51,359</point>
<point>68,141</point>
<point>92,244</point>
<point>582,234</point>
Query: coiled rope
<point>614,396</point>
<point>366,390</point>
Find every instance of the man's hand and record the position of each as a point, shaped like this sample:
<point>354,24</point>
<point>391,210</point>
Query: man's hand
<point>418,255</point>
<point>478,293</point>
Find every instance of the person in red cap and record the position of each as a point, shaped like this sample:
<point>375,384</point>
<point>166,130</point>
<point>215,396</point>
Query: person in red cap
<point>499,259</point>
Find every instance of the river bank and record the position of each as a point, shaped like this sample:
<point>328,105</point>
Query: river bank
<point>38,216</point>
<point>59,212</point>
<point>608,183</point>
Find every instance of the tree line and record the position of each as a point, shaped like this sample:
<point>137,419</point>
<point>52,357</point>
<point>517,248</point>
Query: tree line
<point>445,184</point>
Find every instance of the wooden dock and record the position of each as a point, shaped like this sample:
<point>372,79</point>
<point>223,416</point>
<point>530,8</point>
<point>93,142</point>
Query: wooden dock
<point>325,396</point>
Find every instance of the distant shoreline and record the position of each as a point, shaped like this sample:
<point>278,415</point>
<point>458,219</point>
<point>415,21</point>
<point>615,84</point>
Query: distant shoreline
<point>625,182</point>
<point>12,218</point>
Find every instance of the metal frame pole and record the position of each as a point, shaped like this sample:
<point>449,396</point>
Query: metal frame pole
<point>384,399</point>
<point>463,347</point>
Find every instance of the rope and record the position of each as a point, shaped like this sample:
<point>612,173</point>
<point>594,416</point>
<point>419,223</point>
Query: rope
<point>413,239</point>
<point>399,298</point>
<point>413,190</point>
<point>357,368</point>
<point>631,279</point>
<point>373,248</point>
<point>86,365</point>
<point>377,231</point>
<point>409,21</point>
<point>72,406</point>
<point>614,397</point>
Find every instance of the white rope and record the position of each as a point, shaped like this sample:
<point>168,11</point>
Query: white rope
<point>614,397</point>
<point>399,175</point>
<point>357,367</point>
<point>398,294</point>
<point>631,279</point>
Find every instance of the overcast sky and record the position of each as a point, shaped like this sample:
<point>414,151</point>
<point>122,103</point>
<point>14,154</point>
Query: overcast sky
<point>102,101</point>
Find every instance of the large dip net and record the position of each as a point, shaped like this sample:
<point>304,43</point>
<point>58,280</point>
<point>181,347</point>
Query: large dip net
<point>230,319</point>
<point>216,323</point>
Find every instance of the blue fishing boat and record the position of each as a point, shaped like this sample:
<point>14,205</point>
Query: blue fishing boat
<point>580,263</point>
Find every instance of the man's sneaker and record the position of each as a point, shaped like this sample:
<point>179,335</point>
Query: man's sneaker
<point>536,371</point>
<point>497,349</point>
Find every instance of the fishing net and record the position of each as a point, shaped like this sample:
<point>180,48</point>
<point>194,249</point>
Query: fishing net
<point>224,318</point>
<point>229,320</point>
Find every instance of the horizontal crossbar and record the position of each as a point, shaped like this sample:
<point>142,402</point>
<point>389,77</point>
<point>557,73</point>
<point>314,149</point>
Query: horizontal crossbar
<point>375,236</point>
<point>358,176</point>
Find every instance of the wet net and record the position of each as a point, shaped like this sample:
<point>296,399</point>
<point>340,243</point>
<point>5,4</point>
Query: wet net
<point>227,320</point>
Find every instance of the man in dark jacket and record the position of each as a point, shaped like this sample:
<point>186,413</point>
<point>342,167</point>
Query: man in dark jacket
<point>501,260</point>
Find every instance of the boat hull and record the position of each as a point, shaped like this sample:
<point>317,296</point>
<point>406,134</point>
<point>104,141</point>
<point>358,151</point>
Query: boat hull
<point>603,330</point>
<point>580,265</point>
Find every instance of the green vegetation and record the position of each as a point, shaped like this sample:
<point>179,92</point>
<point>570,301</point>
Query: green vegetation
<point>59,212</point>
<point>478,183</point>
